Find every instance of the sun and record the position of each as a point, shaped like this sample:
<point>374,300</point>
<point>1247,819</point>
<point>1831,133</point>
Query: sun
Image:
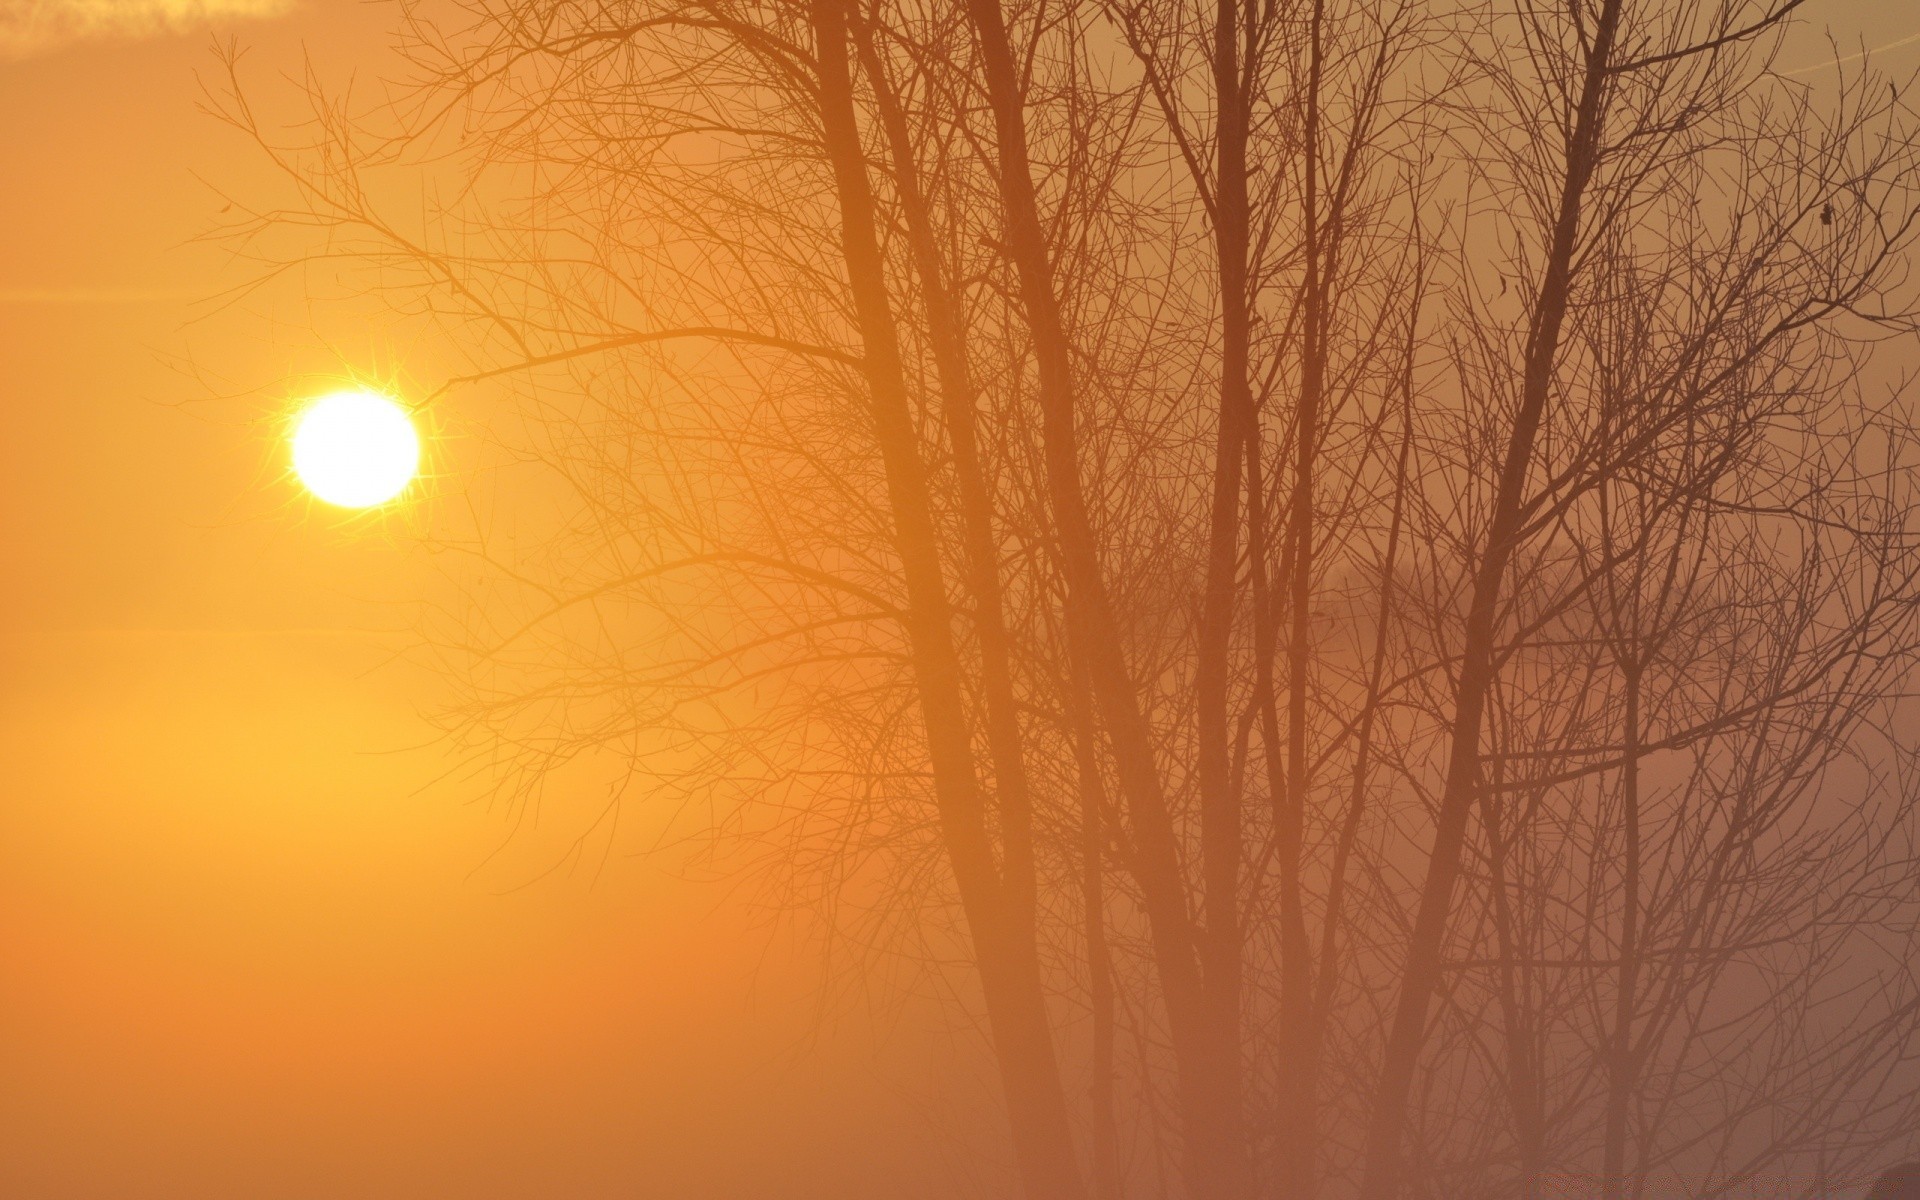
<point>355,449</point>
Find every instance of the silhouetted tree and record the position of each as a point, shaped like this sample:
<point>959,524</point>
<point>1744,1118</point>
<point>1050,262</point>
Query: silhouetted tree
<point>1348,559</point>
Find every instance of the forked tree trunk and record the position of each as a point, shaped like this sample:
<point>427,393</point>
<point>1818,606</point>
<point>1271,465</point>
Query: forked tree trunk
<point>959,410</point>
<point>1211,1158</point>
<point>1003,933</point>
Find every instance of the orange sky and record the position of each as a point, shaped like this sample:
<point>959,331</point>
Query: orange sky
<point>248,948</point>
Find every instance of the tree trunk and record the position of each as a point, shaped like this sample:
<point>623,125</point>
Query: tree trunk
<point>1525,1094</point>
<point>1621,1081</point>
<point>1093,899</point>
<point>1297,1112</point>
<point>958,401</point>
<point>1220,817</point>
<point>1092,629</point>
<point>1002,932</point>
<point>1421,974</point>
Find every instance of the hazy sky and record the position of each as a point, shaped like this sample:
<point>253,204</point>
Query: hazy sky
<point>249,950</point>
<point>248,946</point>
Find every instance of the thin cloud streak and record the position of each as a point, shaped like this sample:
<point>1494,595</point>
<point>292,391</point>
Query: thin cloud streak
<point>1849,59</point>
<point>29,27</point>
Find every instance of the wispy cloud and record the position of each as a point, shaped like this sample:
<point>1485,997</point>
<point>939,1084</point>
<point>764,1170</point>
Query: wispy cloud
<point>33,26</point>
<point>1849,59</point>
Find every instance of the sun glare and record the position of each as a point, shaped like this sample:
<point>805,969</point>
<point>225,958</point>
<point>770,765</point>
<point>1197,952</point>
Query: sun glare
<point>355,449</point>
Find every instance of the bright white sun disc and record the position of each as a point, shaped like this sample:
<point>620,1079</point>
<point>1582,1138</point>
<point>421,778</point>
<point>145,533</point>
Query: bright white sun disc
<point>355,449</point>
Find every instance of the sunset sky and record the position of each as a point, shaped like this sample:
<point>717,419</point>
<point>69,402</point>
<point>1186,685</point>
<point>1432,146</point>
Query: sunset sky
<point>250,947</point>
<point>254,941</point>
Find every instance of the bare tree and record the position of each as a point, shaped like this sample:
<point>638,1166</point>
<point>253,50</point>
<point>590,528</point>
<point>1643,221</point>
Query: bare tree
<point>1344,559</point>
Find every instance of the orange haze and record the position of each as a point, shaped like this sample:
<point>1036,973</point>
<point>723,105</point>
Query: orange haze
<point>248,947</point>
<point>252,943</point>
